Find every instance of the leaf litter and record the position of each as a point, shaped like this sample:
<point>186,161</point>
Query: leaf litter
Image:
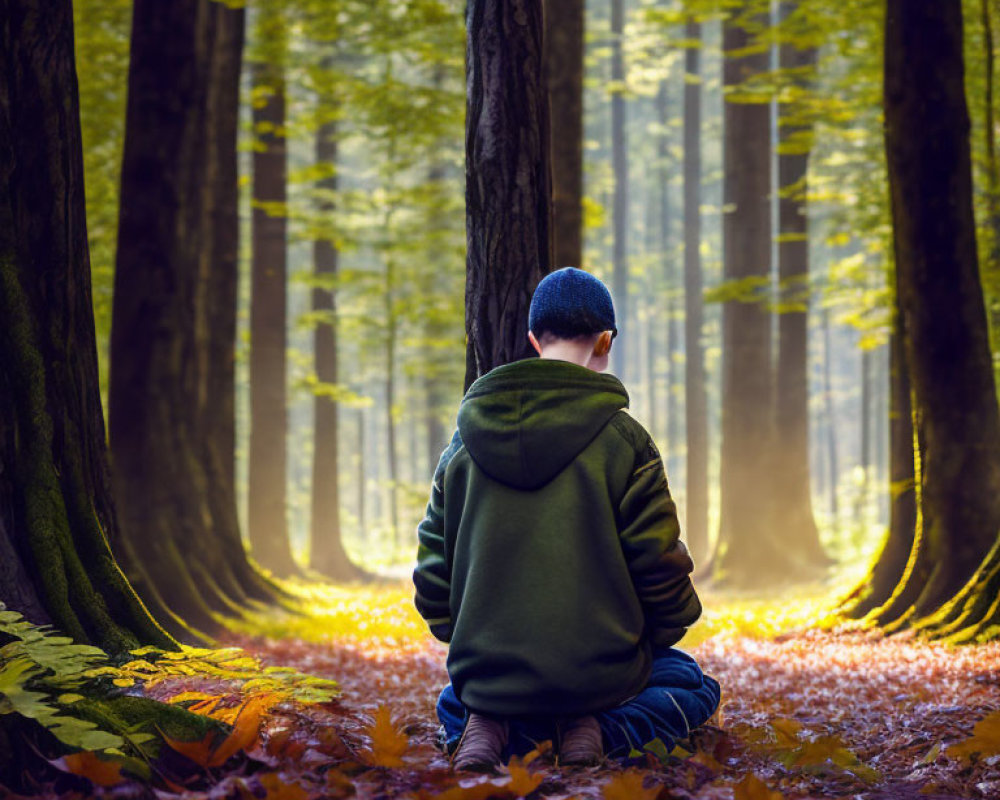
<point>811,714</point>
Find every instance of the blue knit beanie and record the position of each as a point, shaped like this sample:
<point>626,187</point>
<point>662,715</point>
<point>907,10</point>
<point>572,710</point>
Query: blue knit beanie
<point>569,303</point>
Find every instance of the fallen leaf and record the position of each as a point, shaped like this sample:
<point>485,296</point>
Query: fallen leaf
<point>98,771</point>
<point>753,788</point>
<point>786,730</point>
<point>985,739</point>
<point>522,782</point>
<point>388,742</point>
<point>277,789</point>
<point>628,786</point>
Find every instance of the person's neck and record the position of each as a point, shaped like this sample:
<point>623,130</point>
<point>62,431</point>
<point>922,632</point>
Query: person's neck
<point>568,350</point>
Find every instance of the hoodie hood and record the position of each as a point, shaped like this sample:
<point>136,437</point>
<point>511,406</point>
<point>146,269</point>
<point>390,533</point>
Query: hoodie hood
<point>522,423</point>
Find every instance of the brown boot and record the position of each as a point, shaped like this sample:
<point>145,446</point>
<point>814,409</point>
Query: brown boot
<point>481,745</point>
<point>581,743</point>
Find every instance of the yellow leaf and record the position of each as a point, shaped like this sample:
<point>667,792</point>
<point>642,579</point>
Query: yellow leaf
<point>707,760</point>
<point>96,770</point>
<point>821,749</point>
<point>787,730</point>
<point>985,739</point>
<point>388,743</point>
<point>185,696</point>
<point>522,782</point>
<point>277,789</point>
<point>628,786</point>
<point>753,788</point>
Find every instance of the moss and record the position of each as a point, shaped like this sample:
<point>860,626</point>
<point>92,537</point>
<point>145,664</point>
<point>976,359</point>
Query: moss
<point>121,714</point>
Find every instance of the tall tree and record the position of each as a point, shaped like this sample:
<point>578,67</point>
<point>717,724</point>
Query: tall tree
<point>57,518</point>
<point>947,345</point>
<point>619,166</point>
<point>267,526</point>
<point>564,32</point>
<point>327,554</point>
<point>695,379</point>
<point>508,196</point>
<point>173,328</point>
<point>793,518</point>
<point>748,550</point>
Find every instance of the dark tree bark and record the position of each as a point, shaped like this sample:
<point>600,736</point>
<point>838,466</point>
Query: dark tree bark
<point>327,554</point>
<point>695,379</point>
<point>794,523</point>
<point>57,517</point>
<point>947,347</point>
<point>267,526</point>
<point>508,196</point>
<point>749,552</point>
<point>173,328</point>
<point>564,32</point>
<point>619,165</point>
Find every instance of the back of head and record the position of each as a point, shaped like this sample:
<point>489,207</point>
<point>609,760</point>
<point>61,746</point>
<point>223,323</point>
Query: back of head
<point>570,303</point>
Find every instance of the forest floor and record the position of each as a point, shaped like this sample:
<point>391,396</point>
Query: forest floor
<point>805,714</point>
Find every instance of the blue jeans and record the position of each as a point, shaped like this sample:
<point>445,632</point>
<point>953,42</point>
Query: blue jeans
<point>677,699</point>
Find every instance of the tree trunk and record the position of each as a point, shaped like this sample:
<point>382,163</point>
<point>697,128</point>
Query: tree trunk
<point>173,327</point>
<point>627,340</point>
<point>833,469</point>
<point>508,197</point>
<point>327,554</point>
<point>695,379</point>
<point>749,552</point>
<point>947,347</point>
<point>879,586</point>
<point>57,517</point>
<point>267,526</point>
<point>794,522</point>
<point>564,31</point>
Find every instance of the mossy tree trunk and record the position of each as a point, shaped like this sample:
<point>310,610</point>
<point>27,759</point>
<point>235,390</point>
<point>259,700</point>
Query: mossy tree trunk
<point>695,379</point>
<point>57,519</point>
<point>173,325</point>
<point>950,581</point>
<point>508,196</point>
<point>564,31</point>
<point>748,552</point>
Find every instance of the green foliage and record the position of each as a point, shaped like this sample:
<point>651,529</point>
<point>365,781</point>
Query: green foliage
<point>41,675</point>
<point>232,665</point>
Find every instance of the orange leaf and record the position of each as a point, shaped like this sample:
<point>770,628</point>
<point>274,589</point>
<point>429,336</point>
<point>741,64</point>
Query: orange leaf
<point>246,728</point>
<point>95,769</point>
<point>277,789</point>
<point>200,752</point>
<point>628,786</point>
<point>753,788</point>
<point>522,782</point>
<point>388,742</point>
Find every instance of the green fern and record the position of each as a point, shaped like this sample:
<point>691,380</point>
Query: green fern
<point>37,669</point>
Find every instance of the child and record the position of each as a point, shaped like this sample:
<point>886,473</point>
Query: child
<point>549,556</point>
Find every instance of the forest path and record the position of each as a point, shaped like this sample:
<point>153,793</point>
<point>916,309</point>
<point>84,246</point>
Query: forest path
<point>812,714</point>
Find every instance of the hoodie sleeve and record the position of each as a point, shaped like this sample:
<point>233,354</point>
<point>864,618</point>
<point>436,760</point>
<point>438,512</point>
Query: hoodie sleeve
<point>432,575</point>
<point>657,559</point>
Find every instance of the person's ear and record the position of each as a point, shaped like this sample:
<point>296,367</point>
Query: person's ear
<point>603,345</point>
<point>534,342</point>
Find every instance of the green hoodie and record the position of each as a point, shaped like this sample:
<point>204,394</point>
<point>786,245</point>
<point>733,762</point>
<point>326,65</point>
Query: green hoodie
<point>549,555</point>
